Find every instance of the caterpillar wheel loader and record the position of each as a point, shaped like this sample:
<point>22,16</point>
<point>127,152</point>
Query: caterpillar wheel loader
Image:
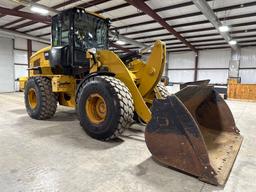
<point>193,131</point>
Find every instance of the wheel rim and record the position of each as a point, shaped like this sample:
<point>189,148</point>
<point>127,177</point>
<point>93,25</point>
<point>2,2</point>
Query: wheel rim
<point>96,108</point>
<point>32,98</point>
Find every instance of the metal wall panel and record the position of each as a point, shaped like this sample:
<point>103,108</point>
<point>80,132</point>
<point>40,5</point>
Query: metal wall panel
<point>37,45</point>
<point>248,57</point>
<point>6,65</point>
<point>216,76</point>
<point>20,43</point>
<point>181,60</point>
<point>247,75</point>
<point>20,57</point>
<point>181,76</point>
<point>214,58</point>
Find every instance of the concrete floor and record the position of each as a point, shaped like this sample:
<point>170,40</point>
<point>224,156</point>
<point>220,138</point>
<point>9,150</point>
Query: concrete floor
<point>57,155</point>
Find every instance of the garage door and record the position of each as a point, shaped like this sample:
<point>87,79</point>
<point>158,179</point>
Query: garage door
<point>6,65</point>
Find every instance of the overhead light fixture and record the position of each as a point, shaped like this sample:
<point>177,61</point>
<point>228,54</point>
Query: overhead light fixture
<point>39,10</point>
<point>119,42</point>
<point>232,42</point>
<point>224,28</point>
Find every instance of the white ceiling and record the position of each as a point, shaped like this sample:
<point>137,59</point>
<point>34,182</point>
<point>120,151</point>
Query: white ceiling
<point>176,15</point>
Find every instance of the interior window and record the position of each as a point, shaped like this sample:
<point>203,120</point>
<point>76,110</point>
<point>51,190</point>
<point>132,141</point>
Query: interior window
<point>65,30</point>
<point>60,31</point>
<point>56,28</point>
<point>90,32</point>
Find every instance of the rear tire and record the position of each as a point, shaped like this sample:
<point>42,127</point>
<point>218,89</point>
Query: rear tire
<point>40,101</point>
<point>105,107</point>
<point>163,90</point>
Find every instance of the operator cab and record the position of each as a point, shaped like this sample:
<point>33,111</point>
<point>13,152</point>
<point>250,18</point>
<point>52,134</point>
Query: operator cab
<point>74,31</point>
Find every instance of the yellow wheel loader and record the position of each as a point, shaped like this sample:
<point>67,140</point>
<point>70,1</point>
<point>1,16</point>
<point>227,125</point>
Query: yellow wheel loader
<point>192,131</point>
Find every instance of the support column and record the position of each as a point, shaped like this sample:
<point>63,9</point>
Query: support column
<point>29,51</point>
<point>234,64</point>
<point>196,66</point>
<point>166,64</point>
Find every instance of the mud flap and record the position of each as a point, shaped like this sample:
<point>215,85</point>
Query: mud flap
<point>194,131</point>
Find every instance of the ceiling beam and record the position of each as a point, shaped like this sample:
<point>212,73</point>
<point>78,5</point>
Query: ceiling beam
<point>85,5</point>
<point>192,30</point>
<point>22,25</point>
<point>23,19</point>
<point>146,9</point>
<point>205,40</point>
<point>157,29</point>
<point>17,8</point>
<point>204,7</point>
<point>166,8</point>
<point>13,22</point>
<point>65,3</point>
<point>182,25</point>
<point>173,45</point>
<point>38,18</point>
<point>91,3</point>
<point>8,32</point>
<point>113,8</point>
<point>182,16</point>
<point>37,28</point>
<point>194,36</point>
<point>120,47</point>
<point>121,37</point>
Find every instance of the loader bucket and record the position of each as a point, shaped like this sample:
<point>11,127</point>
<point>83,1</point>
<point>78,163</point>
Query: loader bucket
<point>198,83</point>
<point>194,131</point>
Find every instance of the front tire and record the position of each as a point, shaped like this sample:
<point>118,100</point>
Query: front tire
<point>40,101</point>
<point>163,90</point>
<point>105,107</point>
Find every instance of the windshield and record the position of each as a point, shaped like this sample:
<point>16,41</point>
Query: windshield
<point>90,31</point>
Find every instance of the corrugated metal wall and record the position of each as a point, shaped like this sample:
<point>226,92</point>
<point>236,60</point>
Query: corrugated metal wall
<point>212,64</point>
<point>6,65</point>
<point>21,57</point>
<point>247,70</point>
<point>181,66</point>
<point>14,61</point>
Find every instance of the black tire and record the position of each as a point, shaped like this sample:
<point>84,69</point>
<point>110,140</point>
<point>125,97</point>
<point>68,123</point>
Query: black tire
<point>46,101</point>
<point>163,90</point>
<point>119,104</point>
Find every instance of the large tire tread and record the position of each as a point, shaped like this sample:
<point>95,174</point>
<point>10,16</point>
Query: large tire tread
<point>125,101</point>
<point>163,90</point>
<point>48,100</point>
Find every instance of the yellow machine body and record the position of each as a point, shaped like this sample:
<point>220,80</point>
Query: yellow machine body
<point>145,74</point>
